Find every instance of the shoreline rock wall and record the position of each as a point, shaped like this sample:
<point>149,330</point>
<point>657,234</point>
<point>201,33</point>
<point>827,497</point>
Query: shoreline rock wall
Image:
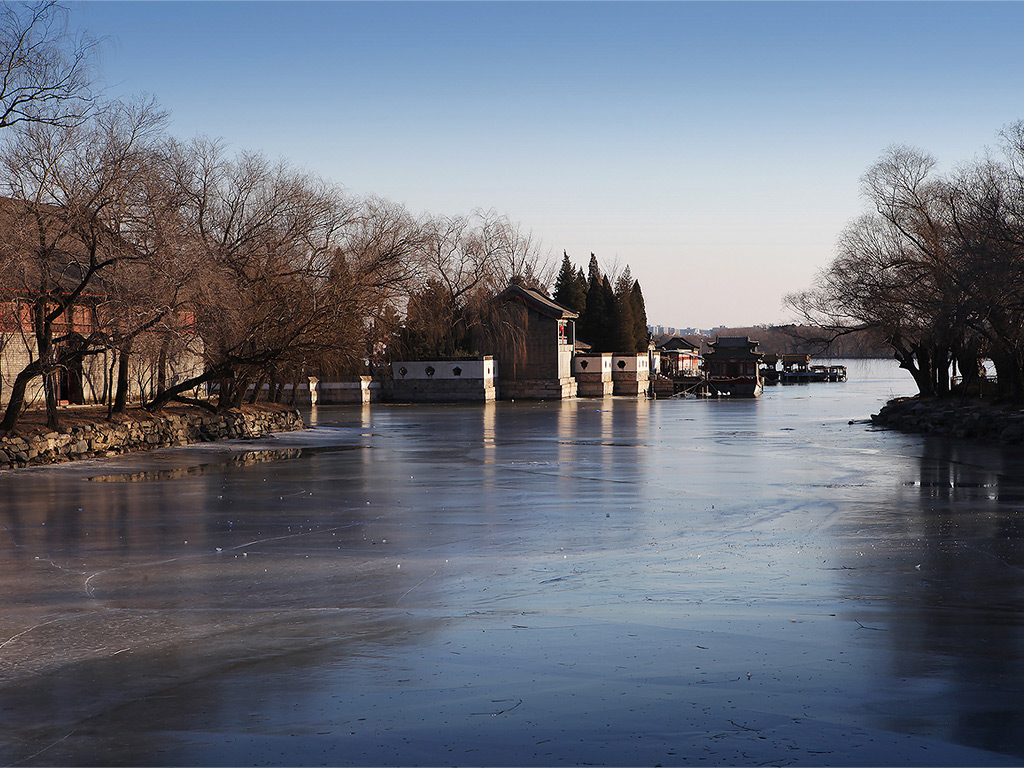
<point>101,439</point>
<point>971,420</point>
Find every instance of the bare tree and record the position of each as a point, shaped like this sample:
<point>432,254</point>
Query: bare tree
<point>46,70</point>
<point>68,190</point>
<point>380,260</point>
<point>456,257</point>
<point>516,257</point>
<point>263,237</point>
<point>468,260</point>
<point>937,270</point>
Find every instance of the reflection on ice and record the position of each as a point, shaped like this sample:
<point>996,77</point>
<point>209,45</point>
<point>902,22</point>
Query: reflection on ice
<point>626,582</point>
<point>244,459</point>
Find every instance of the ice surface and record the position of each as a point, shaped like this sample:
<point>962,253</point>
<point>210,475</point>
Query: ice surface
<point>611,582</point>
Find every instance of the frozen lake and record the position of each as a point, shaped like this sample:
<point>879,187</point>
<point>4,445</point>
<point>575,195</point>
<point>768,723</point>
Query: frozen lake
<point>617,582</point>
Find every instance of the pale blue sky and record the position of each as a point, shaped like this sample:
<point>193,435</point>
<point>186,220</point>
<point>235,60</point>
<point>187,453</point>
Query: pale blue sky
<point>714,147</point>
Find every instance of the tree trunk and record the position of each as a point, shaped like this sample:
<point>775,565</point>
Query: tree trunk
<point>172,393</point>
<point>225,391</point>
<point>969,363</point>
<point>16,403</point>
<point>241,387</point>
<point>912,361</point>
<point>50,391</point>
<point>45,355</point>
<point>1010,377</point>
<point>161,368</point>
<point>121,399</point>
<point>257,390</point>
<point>940,371</point>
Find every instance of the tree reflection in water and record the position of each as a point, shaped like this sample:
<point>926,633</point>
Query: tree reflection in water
<point>947,583</point>
<point>244,459</point>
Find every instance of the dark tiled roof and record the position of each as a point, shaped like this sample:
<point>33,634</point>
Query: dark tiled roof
<point>678,342</point>
<point>734,341</point>
<point>734,348</point>
<point>538,301</point>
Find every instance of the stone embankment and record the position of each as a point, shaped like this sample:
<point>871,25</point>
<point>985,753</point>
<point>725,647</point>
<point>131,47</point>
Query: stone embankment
<point>142,433</point>
<point>951,418</point>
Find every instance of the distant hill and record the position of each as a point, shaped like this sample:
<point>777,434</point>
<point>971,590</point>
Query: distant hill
<point>783,339</point>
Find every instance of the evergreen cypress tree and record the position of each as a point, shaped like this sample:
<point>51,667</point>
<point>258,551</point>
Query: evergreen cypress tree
<point>565,275</point>
<point>569,292</point>
<point>624,327</point>
<point>639,317</point>
<point>608,319</point>
<point>593,321</point>
<point>593,272</point>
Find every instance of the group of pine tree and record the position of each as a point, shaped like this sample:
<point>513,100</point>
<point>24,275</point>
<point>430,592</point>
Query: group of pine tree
<point>612,319</point>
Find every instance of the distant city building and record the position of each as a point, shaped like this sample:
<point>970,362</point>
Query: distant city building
<point>668,330</point>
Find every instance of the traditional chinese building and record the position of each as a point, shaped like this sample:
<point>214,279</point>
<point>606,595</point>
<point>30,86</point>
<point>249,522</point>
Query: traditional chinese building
<point>92,378</point>
<point>533,340</point>
<point>679,357</point>
<point>732,366</point>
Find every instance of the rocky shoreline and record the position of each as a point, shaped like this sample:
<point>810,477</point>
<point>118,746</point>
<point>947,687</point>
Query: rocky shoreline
<point>183,426</point>
<point>971,420</point>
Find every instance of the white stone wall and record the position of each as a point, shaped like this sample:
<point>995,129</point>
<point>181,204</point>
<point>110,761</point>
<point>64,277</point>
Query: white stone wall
<point>482,368</point>
<point>637,364</point>
<point>599,364</point>
<point>565,355</point>
<point>438,381</point>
